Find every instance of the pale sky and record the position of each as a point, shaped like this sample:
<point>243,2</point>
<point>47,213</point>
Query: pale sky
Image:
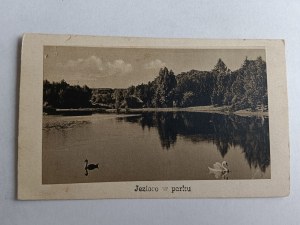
<point>122,67</point>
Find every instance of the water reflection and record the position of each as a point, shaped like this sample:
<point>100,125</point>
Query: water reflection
<point>62,125</point>
<point>225,131</point>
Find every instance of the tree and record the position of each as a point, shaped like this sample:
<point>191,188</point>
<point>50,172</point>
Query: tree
<point>250,87</point>
<point>63,95</point>
<point>220,67</point>
<point>221,76</point>
<point>164,86</point>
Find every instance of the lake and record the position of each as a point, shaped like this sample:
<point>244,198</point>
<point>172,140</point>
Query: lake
<point>154,146</point>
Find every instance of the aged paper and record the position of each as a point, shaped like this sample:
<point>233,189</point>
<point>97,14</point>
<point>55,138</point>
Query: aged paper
<point>119,117</point>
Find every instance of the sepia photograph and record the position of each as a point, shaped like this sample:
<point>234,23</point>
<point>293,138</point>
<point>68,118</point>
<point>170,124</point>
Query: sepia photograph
<point>154,114</point>
<point>120,117</point>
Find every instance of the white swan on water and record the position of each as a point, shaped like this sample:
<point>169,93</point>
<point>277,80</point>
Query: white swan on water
<point>220,169</point>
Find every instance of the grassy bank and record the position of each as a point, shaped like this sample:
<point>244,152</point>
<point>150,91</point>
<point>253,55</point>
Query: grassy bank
<point>208,109</point>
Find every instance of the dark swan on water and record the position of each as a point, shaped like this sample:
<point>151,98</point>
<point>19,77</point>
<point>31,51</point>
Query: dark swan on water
<point>90,167</point>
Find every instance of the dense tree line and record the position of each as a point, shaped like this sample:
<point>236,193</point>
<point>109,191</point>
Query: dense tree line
<point>245,88</point>
<point>63,95</point>
<point>240,89</point>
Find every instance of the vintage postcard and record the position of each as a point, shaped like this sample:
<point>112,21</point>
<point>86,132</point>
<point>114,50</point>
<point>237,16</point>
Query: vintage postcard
<point>119,117</point>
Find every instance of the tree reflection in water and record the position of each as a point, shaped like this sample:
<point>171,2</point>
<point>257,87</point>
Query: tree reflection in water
<point>225,131</point>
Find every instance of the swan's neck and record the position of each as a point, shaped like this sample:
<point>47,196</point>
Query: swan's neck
<point>224,166</point>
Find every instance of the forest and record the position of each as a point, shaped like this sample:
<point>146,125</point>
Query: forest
<point>244,88</point>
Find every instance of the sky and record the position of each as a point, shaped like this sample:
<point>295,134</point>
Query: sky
<point>99,67</point>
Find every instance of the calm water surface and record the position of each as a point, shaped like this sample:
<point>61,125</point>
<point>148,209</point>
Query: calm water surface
<point>154,146</point>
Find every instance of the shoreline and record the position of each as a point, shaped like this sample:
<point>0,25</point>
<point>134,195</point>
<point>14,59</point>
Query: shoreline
<point>205,109</point>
